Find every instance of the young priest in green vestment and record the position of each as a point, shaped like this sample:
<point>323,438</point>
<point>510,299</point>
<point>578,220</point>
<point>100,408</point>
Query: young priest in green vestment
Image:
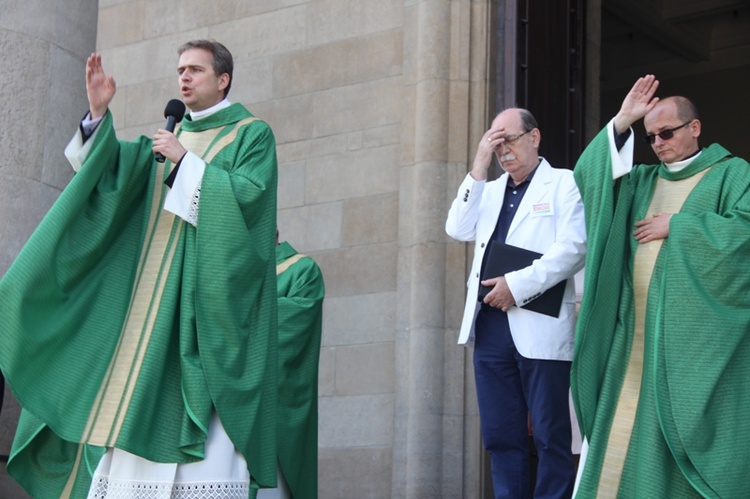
<point>138,324</point>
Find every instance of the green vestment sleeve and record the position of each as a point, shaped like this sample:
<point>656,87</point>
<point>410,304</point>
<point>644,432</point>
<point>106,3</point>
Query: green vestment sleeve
<point>235,294</point>
<point>702,332</point>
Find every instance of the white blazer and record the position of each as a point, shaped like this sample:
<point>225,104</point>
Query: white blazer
<point>550,221</point>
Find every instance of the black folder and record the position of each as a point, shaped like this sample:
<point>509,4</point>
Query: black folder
<point>502,258</point>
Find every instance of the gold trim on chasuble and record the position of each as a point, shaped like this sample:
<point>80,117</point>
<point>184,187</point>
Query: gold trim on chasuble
<point>162,235</point>
<point>669,196</point>
<point>288,263</point>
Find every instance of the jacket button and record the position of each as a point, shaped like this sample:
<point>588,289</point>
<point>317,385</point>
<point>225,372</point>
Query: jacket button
<point>481,245</point>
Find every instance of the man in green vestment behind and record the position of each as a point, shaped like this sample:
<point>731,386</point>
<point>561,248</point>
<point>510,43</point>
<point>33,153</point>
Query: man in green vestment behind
<point>138,324</point>
<point>300,291</point>
<point>662,352</point>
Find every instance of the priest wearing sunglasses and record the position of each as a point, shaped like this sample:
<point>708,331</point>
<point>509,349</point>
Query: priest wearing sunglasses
<point>662,353</point>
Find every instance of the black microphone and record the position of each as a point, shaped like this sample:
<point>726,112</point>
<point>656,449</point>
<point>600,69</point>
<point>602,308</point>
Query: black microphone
<point>174,112</point>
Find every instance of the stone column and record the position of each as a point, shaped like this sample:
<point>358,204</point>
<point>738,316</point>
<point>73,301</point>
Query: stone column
<point>429,458</point>
<point>43,50</point>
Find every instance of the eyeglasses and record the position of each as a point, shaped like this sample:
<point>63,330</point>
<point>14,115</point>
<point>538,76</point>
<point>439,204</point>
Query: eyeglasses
<point>513,138</point>
<point>665,134</point>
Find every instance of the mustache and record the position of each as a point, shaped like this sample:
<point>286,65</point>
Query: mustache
<point>507,157</point>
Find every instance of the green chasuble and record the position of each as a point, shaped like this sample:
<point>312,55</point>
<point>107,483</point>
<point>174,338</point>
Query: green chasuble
<point>124,326</point>
<point>691,426</point>
<point>300,295</point>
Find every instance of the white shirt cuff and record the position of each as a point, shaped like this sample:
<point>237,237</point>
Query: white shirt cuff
<point>622,160</point>
<point>182,199</point>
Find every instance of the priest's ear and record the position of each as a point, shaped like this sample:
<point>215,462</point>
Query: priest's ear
<point>695,128</point>
<point>224,81</point>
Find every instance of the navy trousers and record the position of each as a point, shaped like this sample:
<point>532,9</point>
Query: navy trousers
<point>509,389</point>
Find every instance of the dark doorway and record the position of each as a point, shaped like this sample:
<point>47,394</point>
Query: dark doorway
<point>696,48</point>
<point>544,71</point>
<point>550,74</point>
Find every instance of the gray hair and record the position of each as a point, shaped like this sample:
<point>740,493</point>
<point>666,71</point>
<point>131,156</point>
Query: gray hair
<point>527,120</point>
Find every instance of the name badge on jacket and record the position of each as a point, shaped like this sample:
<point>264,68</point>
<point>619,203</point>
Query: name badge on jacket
<point>541,210</point>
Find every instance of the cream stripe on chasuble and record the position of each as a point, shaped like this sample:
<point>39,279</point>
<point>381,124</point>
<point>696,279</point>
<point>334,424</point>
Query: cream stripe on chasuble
<point>669,196</point>
<point>280,268</point>
<point>160,244</point>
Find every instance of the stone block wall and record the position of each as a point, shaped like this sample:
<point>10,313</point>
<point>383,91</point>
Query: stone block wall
<point>43,48</point>
<point>376,108</point>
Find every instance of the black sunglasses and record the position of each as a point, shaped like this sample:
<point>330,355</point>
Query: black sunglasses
<point>664,135</point>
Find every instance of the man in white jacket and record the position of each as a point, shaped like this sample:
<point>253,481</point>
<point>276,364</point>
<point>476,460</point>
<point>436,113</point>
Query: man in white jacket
<point>521,358</point>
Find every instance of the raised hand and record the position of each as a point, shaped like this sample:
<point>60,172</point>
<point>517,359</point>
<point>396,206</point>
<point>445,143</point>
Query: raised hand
<point>487,147</point>
<point>100,88</point>
<point>639,101</point>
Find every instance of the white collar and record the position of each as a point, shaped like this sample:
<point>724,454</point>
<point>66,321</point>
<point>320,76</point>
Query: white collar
<point>196,115</point>
<point>679,165</point>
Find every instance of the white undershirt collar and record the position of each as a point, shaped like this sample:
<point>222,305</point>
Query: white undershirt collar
<point>196,115</point>
<point>679,165</point>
